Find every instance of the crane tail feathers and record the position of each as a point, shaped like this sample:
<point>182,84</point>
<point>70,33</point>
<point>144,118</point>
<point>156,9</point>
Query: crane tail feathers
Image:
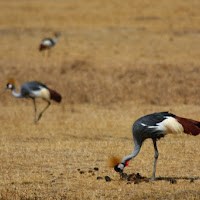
<point>190,126</point>
<point>55,96</point>
<point>42,47</point>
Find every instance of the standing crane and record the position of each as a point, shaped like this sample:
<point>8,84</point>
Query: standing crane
<point>48,43</point>
<point>35,90</point>
<point>156,126</point>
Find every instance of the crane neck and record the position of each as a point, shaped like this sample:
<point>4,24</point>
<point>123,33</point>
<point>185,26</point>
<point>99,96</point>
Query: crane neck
<point>16,94</point>
<point>56,39</point>
<point>137,147</point>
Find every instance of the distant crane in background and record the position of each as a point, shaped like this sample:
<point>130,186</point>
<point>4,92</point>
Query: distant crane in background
<point>35,90</point>
<point>155,126</point>
<point>48,43</point>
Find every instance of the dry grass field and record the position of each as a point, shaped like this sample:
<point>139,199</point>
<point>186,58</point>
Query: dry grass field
<point>114,62</point>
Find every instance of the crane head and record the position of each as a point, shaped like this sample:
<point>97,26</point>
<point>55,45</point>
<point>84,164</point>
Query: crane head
<point>57,34</point>
<point>10,84</point>
<point>117,164</point>
<point>119,167</point>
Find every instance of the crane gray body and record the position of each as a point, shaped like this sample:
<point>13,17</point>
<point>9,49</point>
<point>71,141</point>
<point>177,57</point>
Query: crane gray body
<point>29,89</point>
<point>142,127</point>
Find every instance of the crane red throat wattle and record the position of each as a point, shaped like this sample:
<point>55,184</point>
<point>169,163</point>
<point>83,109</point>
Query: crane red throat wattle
<point>126,164</point>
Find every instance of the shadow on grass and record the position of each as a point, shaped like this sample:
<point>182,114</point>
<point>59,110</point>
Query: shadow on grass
<point>137,178</point>
<point>174,179</point>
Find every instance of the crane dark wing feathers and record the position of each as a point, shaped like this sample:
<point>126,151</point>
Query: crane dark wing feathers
<point>141,129</point>
<point>25,92</point>
<point>154,118</point>
<point>27,87</point>
<point>145,127</point>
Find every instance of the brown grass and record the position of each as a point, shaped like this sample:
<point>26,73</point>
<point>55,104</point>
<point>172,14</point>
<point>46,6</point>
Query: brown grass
<point>115,61</point>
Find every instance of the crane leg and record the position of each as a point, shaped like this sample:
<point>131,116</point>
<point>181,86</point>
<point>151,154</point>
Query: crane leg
<point>35,108</point>
<point>155,161</point>
<point>40,115</point>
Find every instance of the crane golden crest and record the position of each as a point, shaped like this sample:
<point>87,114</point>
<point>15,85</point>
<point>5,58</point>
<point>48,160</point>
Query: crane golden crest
<point>113,161</point>
<point>11,81</point>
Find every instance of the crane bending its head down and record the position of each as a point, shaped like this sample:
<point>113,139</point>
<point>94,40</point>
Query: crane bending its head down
<point>156,126</point>
<point>34,90</point>
<point>48,43</point>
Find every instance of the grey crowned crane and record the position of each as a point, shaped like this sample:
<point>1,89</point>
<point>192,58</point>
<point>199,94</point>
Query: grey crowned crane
<point>48,43</point>
<point>156,126</point>
<point>35,90</point>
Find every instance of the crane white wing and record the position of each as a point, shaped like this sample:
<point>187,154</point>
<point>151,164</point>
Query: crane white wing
<point>46,42</point>
<point>169,125</point>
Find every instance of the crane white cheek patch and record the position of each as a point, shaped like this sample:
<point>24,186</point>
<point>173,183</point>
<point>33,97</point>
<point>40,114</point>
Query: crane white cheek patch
<point>121,166</point>
<point>10,86</point>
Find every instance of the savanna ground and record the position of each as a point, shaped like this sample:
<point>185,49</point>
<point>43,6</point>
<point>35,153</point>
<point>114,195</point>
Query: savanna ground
<point>114,62</point>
